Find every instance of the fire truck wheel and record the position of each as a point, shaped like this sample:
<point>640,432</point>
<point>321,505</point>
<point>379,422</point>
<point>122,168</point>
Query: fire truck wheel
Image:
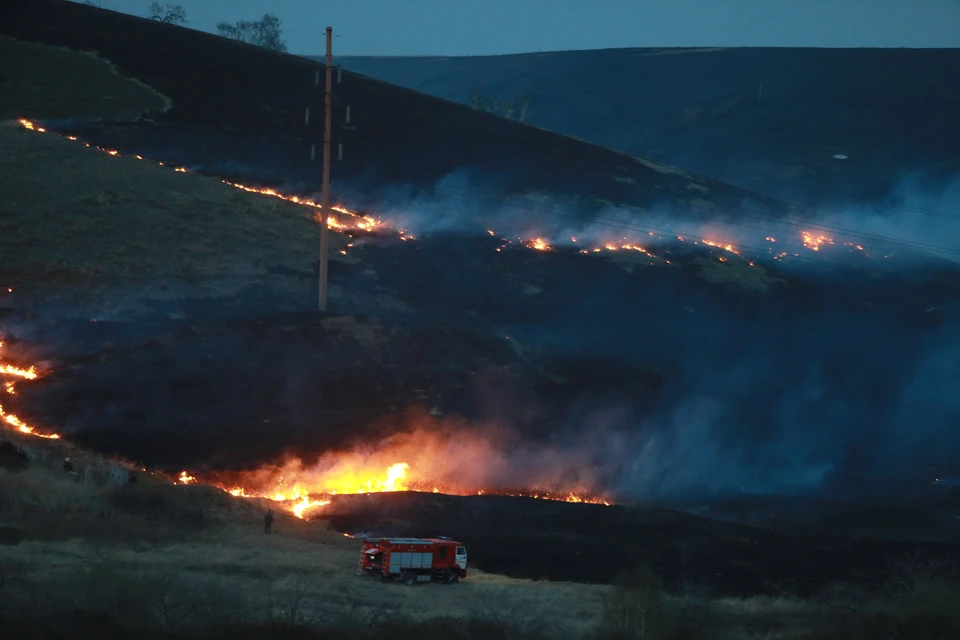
<point>408,578</point>
<point>452,577</point>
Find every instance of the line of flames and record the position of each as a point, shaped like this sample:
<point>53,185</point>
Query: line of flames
<point>369,223</point>
<point>300,500</point>
<point>296,499</point>
<point>363,223</point>
<point>29,373</point>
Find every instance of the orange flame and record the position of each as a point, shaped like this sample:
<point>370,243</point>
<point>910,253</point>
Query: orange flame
<point>418,461</point>
<point>10,419</point>
<point>725,247</point>
<point>22,427</point>
<point>10,370</point>
<point>362,223</point>
<point>813,242</point>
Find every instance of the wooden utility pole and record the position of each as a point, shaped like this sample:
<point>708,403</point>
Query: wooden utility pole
<point>325,198</point>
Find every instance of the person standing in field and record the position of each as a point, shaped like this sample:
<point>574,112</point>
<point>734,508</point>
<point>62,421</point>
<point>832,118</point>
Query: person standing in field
<point>268,521</point>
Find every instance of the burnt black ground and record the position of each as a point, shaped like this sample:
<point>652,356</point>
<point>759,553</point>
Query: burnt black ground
<point>539,539</point>
<point>555,336</point>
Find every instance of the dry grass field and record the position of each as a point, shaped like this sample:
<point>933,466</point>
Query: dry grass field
<point>176,550</point>
<point>192,561</point>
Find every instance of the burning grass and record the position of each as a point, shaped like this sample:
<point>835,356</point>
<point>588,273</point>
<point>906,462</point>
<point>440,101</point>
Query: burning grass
<point>432,456</point>
<point>105,563</point>
<point>114,231</point>
<point>54,82</point>
<point>303,574</point>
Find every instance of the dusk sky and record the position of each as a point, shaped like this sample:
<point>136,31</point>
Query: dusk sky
<point>471,27</point>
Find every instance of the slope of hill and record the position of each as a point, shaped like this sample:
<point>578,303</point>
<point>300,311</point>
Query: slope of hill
<point>682,372</point>
<point>160,560</point>
<point>537,338</point>
<point>239,106</point>
<point>770,120</point>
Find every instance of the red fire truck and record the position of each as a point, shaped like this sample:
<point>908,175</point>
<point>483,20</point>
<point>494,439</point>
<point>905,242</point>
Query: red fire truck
<point>413,560</point>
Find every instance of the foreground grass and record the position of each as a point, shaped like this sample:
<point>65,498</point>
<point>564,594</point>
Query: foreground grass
<point>156,560</point>
<point>41,81</point>
<point>185,558</point>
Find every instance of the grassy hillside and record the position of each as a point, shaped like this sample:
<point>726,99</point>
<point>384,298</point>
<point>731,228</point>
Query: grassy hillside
<point>891,111</point>
<point>482,327</point>
<point>241,106</point>
<point>35,78</point>
<point>161,561</point>
<point>83,229</point>
<point>179,558</point>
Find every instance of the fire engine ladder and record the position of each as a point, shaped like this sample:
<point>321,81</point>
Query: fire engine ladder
<point>360,565</point>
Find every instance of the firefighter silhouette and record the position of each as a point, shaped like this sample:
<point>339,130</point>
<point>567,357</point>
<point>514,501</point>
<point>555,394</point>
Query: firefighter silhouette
<point>268,521</point>
<point>67,465</point>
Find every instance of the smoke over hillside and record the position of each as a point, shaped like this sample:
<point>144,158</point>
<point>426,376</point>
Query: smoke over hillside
<point>831,381</point>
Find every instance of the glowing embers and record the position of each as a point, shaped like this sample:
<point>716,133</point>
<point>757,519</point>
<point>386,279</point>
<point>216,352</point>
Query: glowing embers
<point>538,243</point>
<point>814,242</point>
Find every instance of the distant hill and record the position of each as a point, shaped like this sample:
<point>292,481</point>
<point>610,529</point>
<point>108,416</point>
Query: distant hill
<point>768,119</point>
<point>241,109</point>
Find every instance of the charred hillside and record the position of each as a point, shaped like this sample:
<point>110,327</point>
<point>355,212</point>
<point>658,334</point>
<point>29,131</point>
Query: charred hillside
<point>175,313</point>
<point>241,108</point>
<point>646,380</point>
<point>891,111</point>
<point>517,536</point>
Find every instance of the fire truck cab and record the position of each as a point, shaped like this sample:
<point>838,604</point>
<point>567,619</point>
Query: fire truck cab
<point>413,560</point>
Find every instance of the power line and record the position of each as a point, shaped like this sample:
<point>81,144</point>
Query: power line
<point>380,44</point>
<point>315,32</point>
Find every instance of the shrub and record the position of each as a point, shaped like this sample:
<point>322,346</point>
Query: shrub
<point>265,32</point>
<point>635,608</point>
<point>167,13</point>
